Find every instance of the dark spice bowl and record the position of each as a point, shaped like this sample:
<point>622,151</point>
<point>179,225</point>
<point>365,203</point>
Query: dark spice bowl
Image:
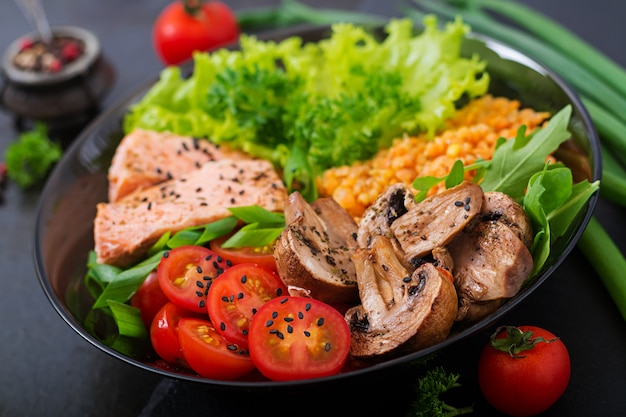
<point>65,96</point>
<point>64,226</point>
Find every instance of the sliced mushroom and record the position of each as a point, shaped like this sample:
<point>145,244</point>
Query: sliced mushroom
<point>399,311</point>
<point>490,264</point>
<point>436,220</point>
<point>396,201</point>
<point>314,251</point>
<point>502,207</point>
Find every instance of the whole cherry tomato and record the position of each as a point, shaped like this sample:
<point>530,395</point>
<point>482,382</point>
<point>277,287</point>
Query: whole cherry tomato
<point>523,370</point>
<point>186,26</point>
<point>149,298</point>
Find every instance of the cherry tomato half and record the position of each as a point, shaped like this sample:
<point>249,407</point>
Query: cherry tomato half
<point>164,333</point>
<point>298,338</point>
<point>185,26</point>
<point>237,294</point>
<point>149,299</point>
<point>263,256</point>
<point>526,382</point>
<point>210,354</point>
<point>185,273</point>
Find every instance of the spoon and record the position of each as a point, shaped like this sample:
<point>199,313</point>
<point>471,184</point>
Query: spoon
<point>33,10</point>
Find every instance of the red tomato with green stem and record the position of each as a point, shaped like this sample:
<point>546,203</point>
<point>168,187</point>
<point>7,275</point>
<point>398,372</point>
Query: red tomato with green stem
<point>149,298</point>
<point>263,256</point>
<point>186,26</point>
<point>209,353</point>
<point>235,296</point>
<point>185,275</point>
<point>164,333</point>
<point>293,338</point>
<point>524,370</point>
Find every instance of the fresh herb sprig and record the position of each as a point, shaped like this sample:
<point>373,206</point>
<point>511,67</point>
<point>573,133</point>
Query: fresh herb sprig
<point>429,391</point>
<point>30,158</point>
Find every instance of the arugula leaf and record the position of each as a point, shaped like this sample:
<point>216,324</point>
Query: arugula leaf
<point>515,161</point>
<point>552,202</point>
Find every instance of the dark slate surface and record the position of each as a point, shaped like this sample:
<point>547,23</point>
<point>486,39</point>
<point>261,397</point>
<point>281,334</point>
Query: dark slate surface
<point>47,369</point>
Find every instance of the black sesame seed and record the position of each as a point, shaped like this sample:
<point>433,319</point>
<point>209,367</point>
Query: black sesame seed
<point>467,207</point>
<point>467,200</point>
<point>458,203</point>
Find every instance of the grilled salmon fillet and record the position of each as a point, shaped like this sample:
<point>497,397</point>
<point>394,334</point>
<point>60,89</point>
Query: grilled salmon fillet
<point>145,158</point>
<point>125,229</point>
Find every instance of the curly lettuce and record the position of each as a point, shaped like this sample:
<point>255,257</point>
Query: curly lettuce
<point>309,107</point>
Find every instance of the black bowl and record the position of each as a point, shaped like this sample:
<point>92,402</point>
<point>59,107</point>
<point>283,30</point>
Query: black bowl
<point>64,226</point>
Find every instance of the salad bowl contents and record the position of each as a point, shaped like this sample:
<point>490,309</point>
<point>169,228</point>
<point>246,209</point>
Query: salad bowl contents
<point>317,206</point>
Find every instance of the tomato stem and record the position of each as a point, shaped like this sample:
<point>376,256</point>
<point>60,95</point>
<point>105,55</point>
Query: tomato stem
<point>192,7</point>
<point>515,341</point>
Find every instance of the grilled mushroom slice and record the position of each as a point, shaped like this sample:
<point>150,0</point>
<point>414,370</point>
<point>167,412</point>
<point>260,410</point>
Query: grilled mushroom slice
<point>502,207</point>
<point>491,262</point>
<point>313,253</point>
<point>399,311</point>
<point>436,220</point>
<point>397,200</point>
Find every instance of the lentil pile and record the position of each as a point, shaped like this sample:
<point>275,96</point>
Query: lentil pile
<point>469,136</point>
